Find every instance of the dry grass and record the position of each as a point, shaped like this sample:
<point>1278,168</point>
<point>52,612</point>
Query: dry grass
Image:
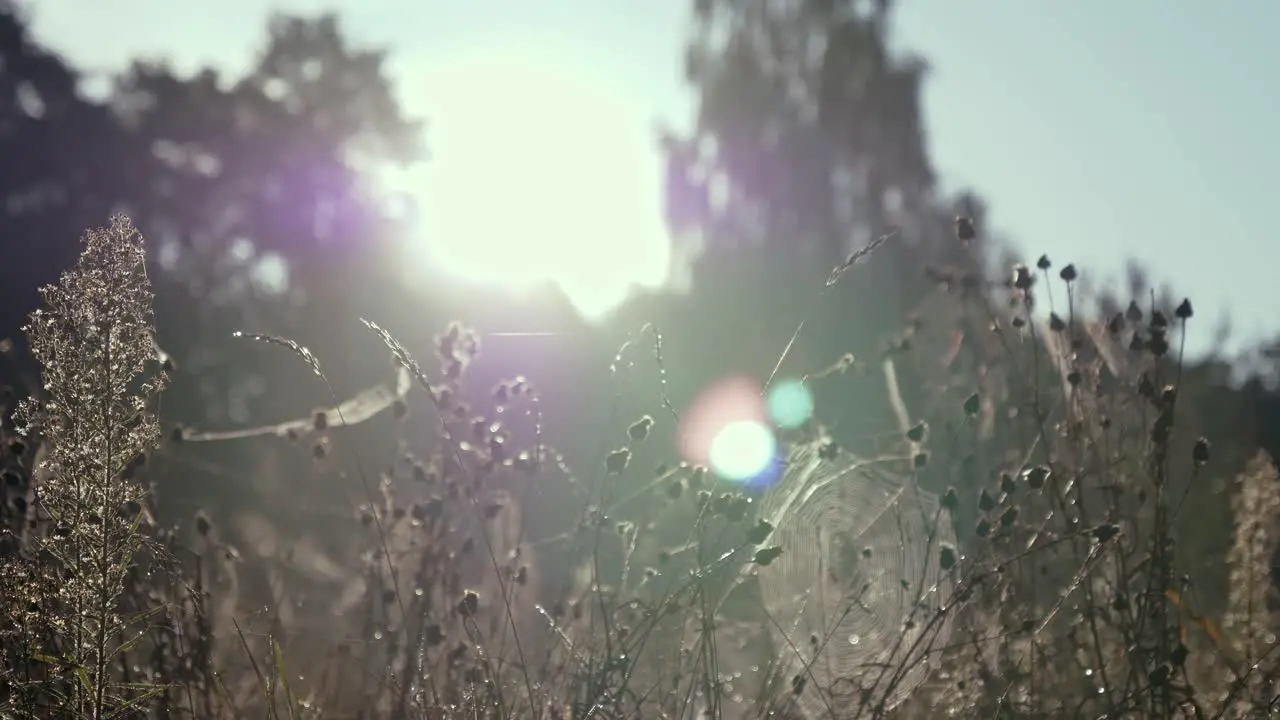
<point>1062,456</point>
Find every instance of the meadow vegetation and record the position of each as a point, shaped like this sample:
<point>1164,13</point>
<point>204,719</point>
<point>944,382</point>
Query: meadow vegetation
<point>1054,583</point>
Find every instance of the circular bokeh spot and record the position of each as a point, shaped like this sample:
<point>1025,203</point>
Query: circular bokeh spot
<point>742,450</point>
<point>790,403</point>
<point>727,429</point>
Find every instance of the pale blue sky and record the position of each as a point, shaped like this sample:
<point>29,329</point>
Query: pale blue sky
<point>1098,129</point>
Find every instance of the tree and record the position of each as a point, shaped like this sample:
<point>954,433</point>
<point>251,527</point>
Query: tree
<point>226,176</point>
<point>809,119</point>
<point>267,170</point>
<point>56,146</point>
<point>274,157</point>
<point>809,144</point>
<point>220,172</point>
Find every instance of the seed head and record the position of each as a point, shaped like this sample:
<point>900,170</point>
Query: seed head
<point>1105,532</point>
<point>947,557</point>
<point>469,605</point>
<point>616,462</point>
<point>916,432</point>
<point>697,477</point>
<point>639,429</point>
<point>1200,452</point>
<point>951,500</point>
<point>985,501</point>
<point>1022,277</point>
<point>675,489</point>
<point>1036,476</point>
<point>1009,517</point>
<point>1133,313</point>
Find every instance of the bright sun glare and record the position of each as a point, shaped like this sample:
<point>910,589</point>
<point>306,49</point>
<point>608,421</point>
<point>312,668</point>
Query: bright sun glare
<point>540,174</point>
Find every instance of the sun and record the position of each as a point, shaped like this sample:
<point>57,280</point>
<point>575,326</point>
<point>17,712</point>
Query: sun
<point>541,173</point>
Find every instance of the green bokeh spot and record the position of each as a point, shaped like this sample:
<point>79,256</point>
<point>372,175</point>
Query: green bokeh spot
<point>790,404</point>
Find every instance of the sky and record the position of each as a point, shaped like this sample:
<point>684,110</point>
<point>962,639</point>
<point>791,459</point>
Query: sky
<point>1099,131</point>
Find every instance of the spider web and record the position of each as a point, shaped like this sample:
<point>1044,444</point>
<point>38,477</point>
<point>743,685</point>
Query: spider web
<point>358,408</point>
<point>855,595</point>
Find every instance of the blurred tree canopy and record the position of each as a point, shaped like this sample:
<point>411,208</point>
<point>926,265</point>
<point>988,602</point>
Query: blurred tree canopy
<point>809,144</point>
<point>266,163</point>
<point>272,157</point>
<point>252,193</point>
<point>239,183</point>
<point>266,167</point>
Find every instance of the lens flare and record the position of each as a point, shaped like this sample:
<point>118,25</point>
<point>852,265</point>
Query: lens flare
<point>727,429</point>
<point>741,450</point>
<point>790,403</point>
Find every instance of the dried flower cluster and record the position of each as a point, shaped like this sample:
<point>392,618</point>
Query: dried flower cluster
<point>94,341</point>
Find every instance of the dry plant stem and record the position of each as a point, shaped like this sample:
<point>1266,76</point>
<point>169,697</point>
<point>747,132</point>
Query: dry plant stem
<point>406,360</point>
<point>857,256</point>
<point>1108,663</point>
<point>93,339</point>
<point>312,362</point>
<point>1078,446</point>
<point>1041,424</point>
<point>1075,485</point>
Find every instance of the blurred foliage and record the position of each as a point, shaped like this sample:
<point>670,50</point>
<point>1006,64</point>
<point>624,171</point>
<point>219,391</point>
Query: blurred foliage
<point>271,158</point>
<point>239,181</point>
<point>809,143</point>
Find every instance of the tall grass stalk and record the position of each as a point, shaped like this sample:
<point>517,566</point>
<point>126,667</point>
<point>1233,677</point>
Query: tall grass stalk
<point>93,339</point>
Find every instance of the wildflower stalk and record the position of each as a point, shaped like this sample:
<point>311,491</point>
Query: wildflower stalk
<point>93,338</point>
